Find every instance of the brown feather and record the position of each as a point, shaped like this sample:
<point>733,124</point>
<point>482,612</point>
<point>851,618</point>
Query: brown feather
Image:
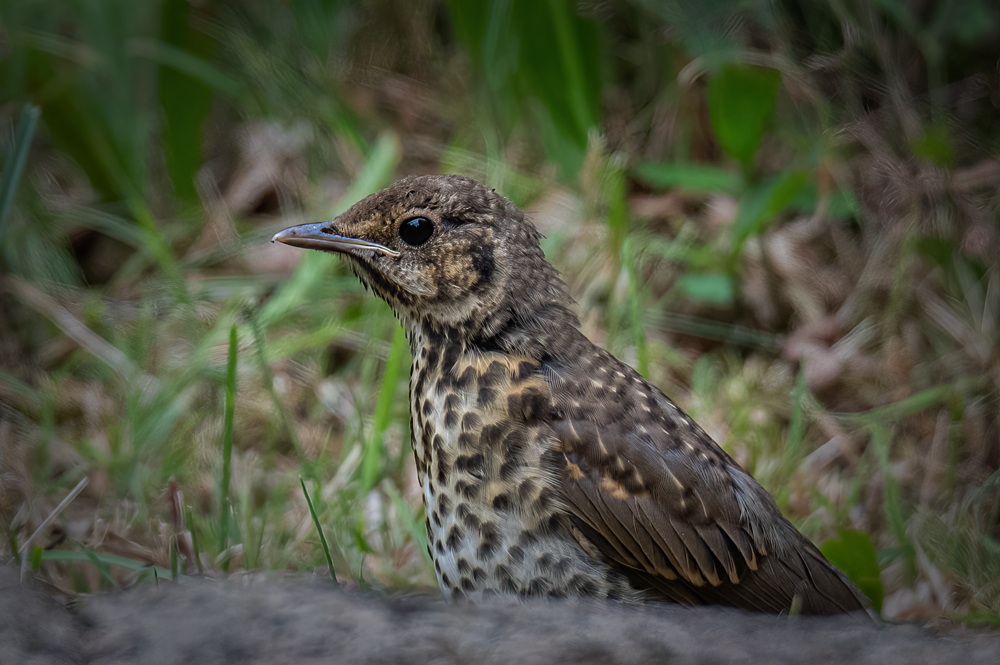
<point>668,507</point>
<point>716,542</point>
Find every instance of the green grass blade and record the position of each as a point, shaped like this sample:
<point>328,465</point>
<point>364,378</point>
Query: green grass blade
<point>319,530</point>
<point>566,37</point>
<point>185,63</point>
<point>37,554</point>
<point>102,567</point>
<point>186,82</point>
<point>797,424</point>
<point>895,512</point>
<point>104,558</point>
<point>913,404</point>
<point>13,165</point>
<point>227,441</point>
<point>728,333</point>
<point>157,246</point>
<point>627,252</point>
<point>637,318</point>
<point>617,208</point>
<point>690,177</point>
<point>371,464</point>
<point>414,525</point>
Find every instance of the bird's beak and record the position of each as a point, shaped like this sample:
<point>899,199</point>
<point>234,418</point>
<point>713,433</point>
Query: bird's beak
<point>320,236</point>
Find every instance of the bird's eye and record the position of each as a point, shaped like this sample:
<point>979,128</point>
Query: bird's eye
<point>416,231</point>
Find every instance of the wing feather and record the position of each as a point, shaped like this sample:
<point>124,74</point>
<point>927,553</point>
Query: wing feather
<point>713,537</point>
<point>669,509</point>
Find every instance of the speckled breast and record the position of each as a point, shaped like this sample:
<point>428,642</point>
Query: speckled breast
<point>486,463</point>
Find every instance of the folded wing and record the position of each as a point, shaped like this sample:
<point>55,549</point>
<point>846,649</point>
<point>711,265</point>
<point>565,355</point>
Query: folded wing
<point>670,510</point>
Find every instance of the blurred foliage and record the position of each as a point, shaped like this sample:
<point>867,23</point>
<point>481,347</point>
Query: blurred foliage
<point>854,554</point>
<point>785,214</point>
<point>541,63</point>
<point>740,102</point>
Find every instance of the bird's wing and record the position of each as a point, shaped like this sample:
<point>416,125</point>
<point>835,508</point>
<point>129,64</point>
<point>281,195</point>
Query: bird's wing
<point>667,507</point>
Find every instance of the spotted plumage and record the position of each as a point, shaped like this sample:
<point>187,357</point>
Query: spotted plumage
<point>548,467</point>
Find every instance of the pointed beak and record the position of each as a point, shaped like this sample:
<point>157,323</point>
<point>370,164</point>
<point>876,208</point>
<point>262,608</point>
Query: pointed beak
<point>321,236</point>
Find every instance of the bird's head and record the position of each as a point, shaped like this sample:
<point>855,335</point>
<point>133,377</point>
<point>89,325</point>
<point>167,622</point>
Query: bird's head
<point>447,254</point>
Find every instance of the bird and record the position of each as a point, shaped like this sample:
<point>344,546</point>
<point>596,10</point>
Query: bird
<point>547,466</point>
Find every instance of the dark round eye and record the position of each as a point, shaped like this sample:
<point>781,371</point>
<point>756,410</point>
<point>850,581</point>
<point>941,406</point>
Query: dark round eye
<point>416,231</point>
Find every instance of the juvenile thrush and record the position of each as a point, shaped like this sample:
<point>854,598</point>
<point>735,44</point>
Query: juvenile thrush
<point>548,466</point>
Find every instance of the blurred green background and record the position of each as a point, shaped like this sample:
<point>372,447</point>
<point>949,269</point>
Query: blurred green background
<point>785,214</point>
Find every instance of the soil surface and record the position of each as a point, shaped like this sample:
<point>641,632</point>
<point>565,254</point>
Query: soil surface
<point>249,622</point>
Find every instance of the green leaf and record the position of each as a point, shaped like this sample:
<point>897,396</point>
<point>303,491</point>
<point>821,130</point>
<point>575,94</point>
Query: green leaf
<point>186,81</point>
<point>764,202</point>
<point>740,101</point>
<point>714,288</point>
<point>854,553</point>
<point>693,177</point>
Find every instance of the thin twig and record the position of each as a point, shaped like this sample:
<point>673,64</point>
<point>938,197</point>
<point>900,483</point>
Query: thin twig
<point>22,550</point>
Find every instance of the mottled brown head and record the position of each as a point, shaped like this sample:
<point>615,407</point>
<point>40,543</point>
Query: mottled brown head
<point>447,254</point>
